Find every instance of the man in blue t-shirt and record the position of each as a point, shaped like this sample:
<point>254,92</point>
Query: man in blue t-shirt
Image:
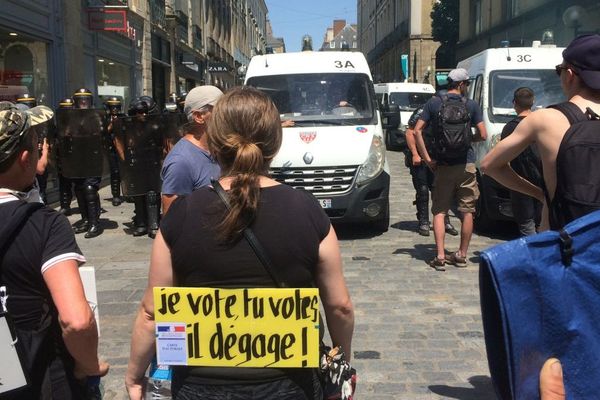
<point>189,165</point>
<point>455,179</point>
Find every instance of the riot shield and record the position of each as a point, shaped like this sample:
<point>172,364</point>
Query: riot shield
<point>80,137</point>
<point>138,141</point>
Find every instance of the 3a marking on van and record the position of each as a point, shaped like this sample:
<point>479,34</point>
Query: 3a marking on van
<point>342,64</point>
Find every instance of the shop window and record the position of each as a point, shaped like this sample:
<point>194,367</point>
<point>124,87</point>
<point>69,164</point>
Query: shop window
<point>113,79</point>
<point>23,67</point>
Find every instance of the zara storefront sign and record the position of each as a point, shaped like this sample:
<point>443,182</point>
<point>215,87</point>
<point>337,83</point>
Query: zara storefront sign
<point>218,67</point>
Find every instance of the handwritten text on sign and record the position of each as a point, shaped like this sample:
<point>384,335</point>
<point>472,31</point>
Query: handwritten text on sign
<point>237,327</point>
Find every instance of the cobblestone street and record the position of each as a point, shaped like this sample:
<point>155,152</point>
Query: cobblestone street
<point>418,332</point>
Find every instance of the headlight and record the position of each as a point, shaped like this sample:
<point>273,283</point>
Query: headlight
<point>375,161</point>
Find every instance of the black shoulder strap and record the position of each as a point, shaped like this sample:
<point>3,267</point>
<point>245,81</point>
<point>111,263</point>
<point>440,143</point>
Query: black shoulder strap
<point>251,238</point>
<point>571,111</point>
<point>15,222</point>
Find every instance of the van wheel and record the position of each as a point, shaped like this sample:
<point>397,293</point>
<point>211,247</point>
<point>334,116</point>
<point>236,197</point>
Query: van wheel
<point>383,224</point>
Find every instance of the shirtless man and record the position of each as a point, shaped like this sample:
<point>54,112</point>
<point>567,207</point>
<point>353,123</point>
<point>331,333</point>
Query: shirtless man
<point>580,80</point>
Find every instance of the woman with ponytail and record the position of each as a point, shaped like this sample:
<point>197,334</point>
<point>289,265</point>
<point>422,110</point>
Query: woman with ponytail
<point>201,244</point>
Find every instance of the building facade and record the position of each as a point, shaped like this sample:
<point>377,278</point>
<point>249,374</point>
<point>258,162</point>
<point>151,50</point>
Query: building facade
<point>274,44</point>
<point>487,23</point>
<point>392,30</point>
<point>340,36</point>
<point>125,48</point>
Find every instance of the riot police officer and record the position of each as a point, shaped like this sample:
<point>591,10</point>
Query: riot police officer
<point>113,107</point>
<point>28,100</point>
<point>65,185</point>
<point>147,207</point>
<point>86,189</point>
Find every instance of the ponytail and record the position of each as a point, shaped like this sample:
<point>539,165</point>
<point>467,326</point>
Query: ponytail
<point>244,135</point>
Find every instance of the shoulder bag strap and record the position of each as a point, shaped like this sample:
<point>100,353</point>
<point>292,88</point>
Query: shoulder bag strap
<point>251,238</point>
<point>571,111</point>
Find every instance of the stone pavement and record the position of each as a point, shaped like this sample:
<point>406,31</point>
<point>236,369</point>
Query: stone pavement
<point>418,332</point>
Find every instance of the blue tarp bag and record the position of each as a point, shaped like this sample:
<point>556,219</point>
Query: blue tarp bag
<point>540,298</point>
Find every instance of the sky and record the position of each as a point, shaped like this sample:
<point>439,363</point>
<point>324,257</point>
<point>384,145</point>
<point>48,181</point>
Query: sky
<point>292,19</point>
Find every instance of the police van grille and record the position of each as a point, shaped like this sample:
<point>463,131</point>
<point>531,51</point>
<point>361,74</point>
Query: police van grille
<point>318,181</point>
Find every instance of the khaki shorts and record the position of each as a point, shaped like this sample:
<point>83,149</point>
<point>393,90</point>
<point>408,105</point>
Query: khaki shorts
<point>454,183</point>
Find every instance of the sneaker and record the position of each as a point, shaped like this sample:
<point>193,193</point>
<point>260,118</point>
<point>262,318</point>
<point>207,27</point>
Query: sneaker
<point>457,261</point>
<point>438,264</point>
<point>423,229</point>
<point>451,230</point>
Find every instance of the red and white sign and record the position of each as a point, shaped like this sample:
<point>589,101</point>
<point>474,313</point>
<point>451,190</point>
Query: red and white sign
<point>308,137</point>
<point>100,19</point>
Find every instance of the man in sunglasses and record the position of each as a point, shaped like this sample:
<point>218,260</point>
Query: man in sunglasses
<point>580,80</point>
<point>451,117</point>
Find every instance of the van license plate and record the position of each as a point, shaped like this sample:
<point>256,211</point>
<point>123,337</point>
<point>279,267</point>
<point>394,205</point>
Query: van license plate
<point>325,203</point>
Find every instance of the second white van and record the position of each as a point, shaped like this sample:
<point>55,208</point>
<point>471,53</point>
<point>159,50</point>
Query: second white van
<point>495,75</point>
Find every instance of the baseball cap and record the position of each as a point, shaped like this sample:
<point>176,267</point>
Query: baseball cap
<point>14,122</point>
<point>199,97</point>
<point>584,54</point>
<point>458,75</point>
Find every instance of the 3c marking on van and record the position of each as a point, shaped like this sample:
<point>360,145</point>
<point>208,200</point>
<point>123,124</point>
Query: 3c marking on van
<point>524,58</point>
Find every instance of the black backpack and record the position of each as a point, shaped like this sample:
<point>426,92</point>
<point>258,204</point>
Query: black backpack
<point>577,176</point>
<point>453,130</point>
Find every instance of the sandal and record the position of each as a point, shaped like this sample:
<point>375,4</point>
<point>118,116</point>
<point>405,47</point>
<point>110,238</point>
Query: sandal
<point>458,261</point>
<point>438,264</point>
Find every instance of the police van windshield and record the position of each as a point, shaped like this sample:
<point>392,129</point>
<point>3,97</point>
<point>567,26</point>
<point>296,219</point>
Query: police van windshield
<point>409,101</point>
<point>320,99</point>
<point>544,83</point>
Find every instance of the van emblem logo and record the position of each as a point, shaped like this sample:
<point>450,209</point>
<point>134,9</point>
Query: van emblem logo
<point>308,137</point>
<point>308,158</point>
<point>362,129</point>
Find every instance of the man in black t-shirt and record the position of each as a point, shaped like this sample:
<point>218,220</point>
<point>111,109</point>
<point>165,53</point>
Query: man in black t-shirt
<point>54,323</point>
<point>526,210</point>
<point>455,178</point>
<point>422,176</point>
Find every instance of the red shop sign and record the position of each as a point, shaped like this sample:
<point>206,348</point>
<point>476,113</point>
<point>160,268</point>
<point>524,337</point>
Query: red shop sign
<point>107,20</point>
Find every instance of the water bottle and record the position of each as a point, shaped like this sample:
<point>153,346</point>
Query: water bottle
<point>159,382</point>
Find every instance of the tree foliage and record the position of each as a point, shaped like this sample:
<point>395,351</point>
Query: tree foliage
<point>444,21</point>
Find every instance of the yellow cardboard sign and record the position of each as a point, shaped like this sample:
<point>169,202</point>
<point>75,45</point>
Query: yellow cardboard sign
<point>237,327</point>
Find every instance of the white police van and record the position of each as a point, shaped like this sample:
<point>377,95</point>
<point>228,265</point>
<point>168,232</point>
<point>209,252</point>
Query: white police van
<point>406,97</point>
<point>335,150</point>
<point>495,75</point>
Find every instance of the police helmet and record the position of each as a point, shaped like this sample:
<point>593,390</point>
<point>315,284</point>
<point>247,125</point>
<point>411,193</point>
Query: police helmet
<point>113,105</point>
<point>83,98</point>
<point>28,100</point>
<point>142,105</point>
<point>66,104</point>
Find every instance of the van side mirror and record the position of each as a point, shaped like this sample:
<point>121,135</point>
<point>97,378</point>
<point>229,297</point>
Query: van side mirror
<point>391,117</point>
